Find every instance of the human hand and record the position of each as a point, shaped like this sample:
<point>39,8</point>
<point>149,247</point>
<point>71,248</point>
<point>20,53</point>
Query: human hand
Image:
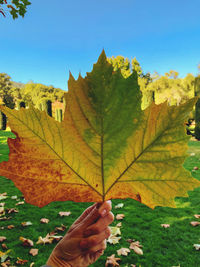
<point>85,241</point>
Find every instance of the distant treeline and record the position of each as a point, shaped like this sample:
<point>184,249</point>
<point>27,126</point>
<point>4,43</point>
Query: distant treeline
<point>154,87</point>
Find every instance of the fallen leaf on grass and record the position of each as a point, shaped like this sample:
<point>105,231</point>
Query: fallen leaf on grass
<point>2,211</point>
<point>2,238</point>
<point>197,216</point>
<point>119,224</point>
<point>2,204</point>
<point>32,263</point>
<point>195,168</point>
<point>120,205</point>
<point>21,261</point>
<point>123,251</point>
<point>33,251</point>
<point>4,246</point>
<point>4,255</point>
<point>45,240</point>
<point>195,223</point>
<point>11,226</point>
<point>3,196</point>
<point>115,230</point>
<point>120,216</point>
<point>197,246</point>
<point>44,220</point>
<point>12,210</point>
<point>26,224</point>
<point>64,213</point>
<point>61,228</point>
<point>113,239</point>
<point>5,263</point>
<point>19,203</point>
<point>26,242</point>
<point>164,225</point>
<point>112,261</point>
<point>13,197</point>
<point>136,247</point>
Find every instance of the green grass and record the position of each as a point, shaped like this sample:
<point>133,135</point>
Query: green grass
<point>162,247</point>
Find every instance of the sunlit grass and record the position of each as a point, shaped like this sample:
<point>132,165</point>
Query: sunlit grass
<point>168,247</point>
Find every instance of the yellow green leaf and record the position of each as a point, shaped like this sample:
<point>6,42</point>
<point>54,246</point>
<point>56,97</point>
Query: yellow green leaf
<point>106,147</point>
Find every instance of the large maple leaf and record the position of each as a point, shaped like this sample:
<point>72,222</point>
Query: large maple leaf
<point>106,147</point>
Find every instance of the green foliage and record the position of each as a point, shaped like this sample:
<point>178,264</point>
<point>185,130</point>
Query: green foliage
<point>6,91</point>
<point>3,121</point>
<point>197,108</point>
<point>172,89</point>
<point>35,93</point>
<point>15,7</point>
<point>59,114</point>
<point>136,66</point>
<point>121,63</point>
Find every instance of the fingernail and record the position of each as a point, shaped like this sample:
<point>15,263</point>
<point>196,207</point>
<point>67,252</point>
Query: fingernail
<point>83,243</point>
<point>103,212</point>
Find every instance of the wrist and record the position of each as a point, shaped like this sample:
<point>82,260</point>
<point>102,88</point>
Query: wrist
<point>54,261</point>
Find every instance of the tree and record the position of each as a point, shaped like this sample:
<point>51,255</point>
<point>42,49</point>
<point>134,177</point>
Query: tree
<point>121,63</point>
<point>15,7</point>
<point>5,90</point>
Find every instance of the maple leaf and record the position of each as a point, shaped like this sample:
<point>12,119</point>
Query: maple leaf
<point>12,210</point>
<point>136,247</point>
<point>19,203</point>
<point>24,224</point>
<point>195,223</point>
<point>115,230</point>
<point>112,261</point>
<point>26,242</point>
<point>106,147</point>
<point>120,216</point>
<point>123,251</point>
<point>64,213</point>
<point>21,261</point>
<point>113,239</point>
<point>11,226</point>
<point>44,220</point>
<point>165,225</point>
<point>45,240</point>
<point>118,206</point>
<point>33,251</point>
<point>60,228</point>
<point>197,246</point>
<point>2,211</point>
<point>4,246</point>
<point>2,238</point>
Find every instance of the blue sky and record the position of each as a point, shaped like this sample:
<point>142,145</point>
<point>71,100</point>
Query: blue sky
<point>56,37</point>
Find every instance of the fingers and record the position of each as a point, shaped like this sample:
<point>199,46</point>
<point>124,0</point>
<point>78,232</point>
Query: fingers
<point>99,226</point>
<point>100,247</point>
<point>85,213</point>
<point>95,241</point>
<point>96,212</point>
<point>105,208</point>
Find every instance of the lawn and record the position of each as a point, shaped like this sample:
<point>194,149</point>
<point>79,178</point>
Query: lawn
<point>164,247</point>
